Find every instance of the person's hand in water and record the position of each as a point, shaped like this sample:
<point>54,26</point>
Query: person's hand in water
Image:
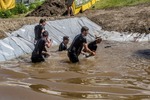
<point>46,54</point>
<point>93,54</point>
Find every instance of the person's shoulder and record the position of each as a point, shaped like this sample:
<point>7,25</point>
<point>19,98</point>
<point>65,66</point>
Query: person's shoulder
<point>94,42</point>
<point>61,44</point>
<point>38,26</point>
<point>78,35</point>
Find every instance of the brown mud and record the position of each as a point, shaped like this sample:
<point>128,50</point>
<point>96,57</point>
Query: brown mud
<point>49,8</point>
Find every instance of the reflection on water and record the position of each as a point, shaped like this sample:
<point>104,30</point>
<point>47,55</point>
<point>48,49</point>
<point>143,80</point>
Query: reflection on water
<point>120,72</point>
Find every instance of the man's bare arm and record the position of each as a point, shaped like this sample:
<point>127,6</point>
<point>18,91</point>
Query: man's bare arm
<point>85,45</point>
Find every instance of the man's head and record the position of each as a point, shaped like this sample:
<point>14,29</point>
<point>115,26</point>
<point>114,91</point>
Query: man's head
<point>66,39</point>
<point>98,40</point>
<point>85,30</point>
<point>45,34</point>
<point>43,22</point>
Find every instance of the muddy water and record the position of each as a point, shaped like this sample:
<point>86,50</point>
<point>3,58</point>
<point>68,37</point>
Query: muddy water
<point>119,71</point>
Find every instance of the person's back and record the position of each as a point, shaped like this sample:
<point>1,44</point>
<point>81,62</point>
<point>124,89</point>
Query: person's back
<point>39,29</point>
<point>92,46</point>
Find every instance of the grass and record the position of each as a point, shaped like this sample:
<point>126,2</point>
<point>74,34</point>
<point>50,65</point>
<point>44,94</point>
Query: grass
<point>20,10</point>
<point>101,4</point>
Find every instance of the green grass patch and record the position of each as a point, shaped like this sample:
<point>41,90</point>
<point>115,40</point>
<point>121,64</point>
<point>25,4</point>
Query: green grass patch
<point>101,4</point>
<point>20,10</point>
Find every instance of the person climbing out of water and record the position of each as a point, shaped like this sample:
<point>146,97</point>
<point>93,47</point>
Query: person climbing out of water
<point>63,45</point>
<point>69,7</point>
<point>77,44</point>
<point>40,53</point>
<point>93,45</point>
<point>39,29</point>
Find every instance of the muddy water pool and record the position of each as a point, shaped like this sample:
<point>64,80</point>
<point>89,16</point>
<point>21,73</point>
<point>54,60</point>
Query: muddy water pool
<point>119,71</point>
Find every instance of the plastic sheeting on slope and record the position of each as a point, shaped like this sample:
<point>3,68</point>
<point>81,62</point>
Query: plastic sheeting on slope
<point>124,36</point>
<point>21,41</point>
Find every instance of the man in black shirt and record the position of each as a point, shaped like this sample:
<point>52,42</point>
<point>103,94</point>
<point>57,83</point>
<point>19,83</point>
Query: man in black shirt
<point>78,43</point>
<point>63,45</point>
<point>39,29</point>
<point>40,52</point>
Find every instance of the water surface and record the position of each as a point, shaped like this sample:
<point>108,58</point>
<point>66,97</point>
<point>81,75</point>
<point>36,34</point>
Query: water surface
<point>119,71</point>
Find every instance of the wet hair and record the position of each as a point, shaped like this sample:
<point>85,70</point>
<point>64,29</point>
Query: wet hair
<point>65,38</point>
<point>45,33</point>
<point>98,38</point>
<point>42,21</point>
<point>84,28</point>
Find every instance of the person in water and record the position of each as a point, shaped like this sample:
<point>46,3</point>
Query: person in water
<point>77,44</point>
<point>40,53</point>
<point>39,29</point>
<point>93,45</point>
<point>63,45</point>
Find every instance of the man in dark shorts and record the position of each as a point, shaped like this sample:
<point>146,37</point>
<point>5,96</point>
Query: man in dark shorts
<point>63,45</point>
<point>39,29</point>
<point>40,52</point>
<point>78,43</point>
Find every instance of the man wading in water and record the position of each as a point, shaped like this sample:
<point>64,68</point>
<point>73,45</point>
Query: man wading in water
<point>39,29</point>
<point>40,53</point>
<point>78,43</point>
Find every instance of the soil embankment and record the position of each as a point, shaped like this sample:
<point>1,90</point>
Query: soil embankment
<point>134,19</point>
<point>49,8</point>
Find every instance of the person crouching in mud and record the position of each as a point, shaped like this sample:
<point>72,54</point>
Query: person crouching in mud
<point>93,46</point>
<point>40,53</point>
<point>78,43</point>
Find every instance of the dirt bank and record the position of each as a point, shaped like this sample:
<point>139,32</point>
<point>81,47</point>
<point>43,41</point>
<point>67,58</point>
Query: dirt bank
<point>49,8</point>
<point>126,19</point>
